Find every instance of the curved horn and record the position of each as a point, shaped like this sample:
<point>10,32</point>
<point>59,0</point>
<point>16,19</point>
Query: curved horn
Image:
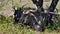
<point>23,6</point>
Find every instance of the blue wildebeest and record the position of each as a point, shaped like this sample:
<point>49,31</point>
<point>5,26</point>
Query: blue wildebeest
<point>38,18</point>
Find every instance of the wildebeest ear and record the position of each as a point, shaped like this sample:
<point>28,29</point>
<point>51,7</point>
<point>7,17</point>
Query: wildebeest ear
<point>53,5</point>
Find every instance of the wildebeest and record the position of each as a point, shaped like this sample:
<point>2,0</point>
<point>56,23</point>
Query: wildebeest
<point>36,19</point>
<point>51,9</point>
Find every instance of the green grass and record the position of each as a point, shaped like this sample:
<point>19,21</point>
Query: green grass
<point>7,27</point>
<point>10,28</point>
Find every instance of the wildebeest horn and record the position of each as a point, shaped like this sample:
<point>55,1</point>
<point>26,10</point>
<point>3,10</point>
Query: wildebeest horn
<point>23,6</point>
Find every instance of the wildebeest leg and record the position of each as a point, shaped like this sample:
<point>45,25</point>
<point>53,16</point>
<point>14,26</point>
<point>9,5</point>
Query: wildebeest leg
<point>40,6</point>
<point>53,5</point>
<point>34,1</point>
<point>22,18</point>
<point>51,9</point>
<point>38,3</point>
<point>36,24</point>
<point>47,20</point>
<point>32,21</point>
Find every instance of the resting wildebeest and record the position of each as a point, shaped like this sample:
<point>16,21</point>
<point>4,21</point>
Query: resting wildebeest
<point>36,19</point>
<point>29,17</point>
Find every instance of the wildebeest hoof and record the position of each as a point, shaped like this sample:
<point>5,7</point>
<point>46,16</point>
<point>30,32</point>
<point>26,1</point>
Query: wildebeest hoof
<point>38,28</point>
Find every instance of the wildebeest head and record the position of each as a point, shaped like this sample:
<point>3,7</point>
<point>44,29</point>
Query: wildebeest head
<point>18,13</point>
